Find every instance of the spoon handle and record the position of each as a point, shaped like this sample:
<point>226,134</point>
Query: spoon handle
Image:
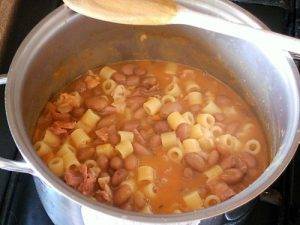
<point>259,36</point>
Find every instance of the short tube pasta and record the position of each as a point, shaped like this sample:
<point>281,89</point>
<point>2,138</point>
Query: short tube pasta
<point>51,139</point>
<point>191,86</point>
<point>206,143</point>
<point>83,126</point>
<point>205,120</point>
<point>211,200</point>
<point>66,147</point>
<point>194,98</point>
<point>171,68</point>
<point>42,148</point>
<point>229,142</point>
<point>168,98</point>
<point>175,119</point>
<point>80,138</point>
<point>175,154</point>
<point>211,108</point>
<point>252,146</point>
<point>189,118</point>
<point>152,106</point>
<point>173,89</point>
<point>150,190</point>
<point>106,72</point>
<point>70,159</point>
<point>126,136</point>
<point>196,131</point>
<point>106,149</point>
<point>216,131</point>
<point>169,139</point>
<point>131,183</point>
<point>108,86</point>
<point>193,200</point>
<point>119,92</point>
<point>191,145</point>
<point>56,165</point>
<point>213,172</point>
<point>90,119</point>
<point>145,173</point>
<point>124,148</point>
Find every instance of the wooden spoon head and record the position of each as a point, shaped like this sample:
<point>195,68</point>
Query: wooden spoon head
<point>135,12</point>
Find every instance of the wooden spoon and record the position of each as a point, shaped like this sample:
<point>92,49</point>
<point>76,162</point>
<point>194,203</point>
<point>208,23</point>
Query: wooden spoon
<point>162,12</point>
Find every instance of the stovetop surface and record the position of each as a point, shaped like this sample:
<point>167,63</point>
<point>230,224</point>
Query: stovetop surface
<point>19,202</point>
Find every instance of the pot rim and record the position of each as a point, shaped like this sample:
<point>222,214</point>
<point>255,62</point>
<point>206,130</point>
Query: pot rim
<point>25,146</point>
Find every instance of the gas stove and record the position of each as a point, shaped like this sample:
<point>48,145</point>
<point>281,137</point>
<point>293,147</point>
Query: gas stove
<point>19,202</point>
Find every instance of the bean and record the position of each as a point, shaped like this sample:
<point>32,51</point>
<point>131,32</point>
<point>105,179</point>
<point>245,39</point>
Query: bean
<point>183,131</point>
<point>170,107</point>
<point>228,162</point>
<point>148,82</point>
<point>128,69</point>
<point>139,137</point>
<point>130,162</point>
<point>78,112</point>
<point>195,161</point>
<point>155,141</point>
<point>116,163</point>
<point>139,114</point>
<point>131,125</point>
<point>119,78</point>
<point>140,71</point>
<point>223,100</point>
<point>103,161</point>
<point>231,176</point>
<point>202,190</point>
<point>122,194</point>
<point>97,90</point>
<point>213,157</point>
<point>139,200</point>
<point>79,86</point>
<point>107,121</point>
<point>136,100</point>
<point>140,149</point>
<point>119,176</point>
<point>195,108</point>
<point>85,153</point>
<point>97,103</point>
<point>249,159</point>
<point>127,205</point>
<point>219,117</point>
<point>188,172</point>
<point>73,177</point>
<point>221,189</point>
<point>161,127</point>
<point>108,110</point>
<point>133,80</point>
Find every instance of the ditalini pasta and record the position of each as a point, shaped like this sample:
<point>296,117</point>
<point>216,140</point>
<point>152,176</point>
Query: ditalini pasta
<point>151,137</point>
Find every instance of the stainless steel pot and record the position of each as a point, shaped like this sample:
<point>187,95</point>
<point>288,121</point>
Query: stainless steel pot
<point>66,44</point>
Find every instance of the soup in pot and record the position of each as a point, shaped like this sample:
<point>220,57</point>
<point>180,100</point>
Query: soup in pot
<point>152,137</point>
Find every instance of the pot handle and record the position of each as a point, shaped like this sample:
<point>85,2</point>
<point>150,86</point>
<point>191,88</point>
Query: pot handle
<point>11,165</point>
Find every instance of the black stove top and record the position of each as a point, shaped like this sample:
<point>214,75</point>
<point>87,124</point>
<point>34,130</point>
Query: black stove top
<point>19,202</point>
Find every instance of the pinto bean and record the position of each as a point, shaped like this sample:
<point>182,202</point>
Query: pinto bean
<point>128,69</point>
<point>106,121</point>
<point>131,125</point>
<point>139,114</point>
<point>96,103</point>
<point>223,100</point>
<point>161,126</point>
<point>78,112</point>
<point>140,71</point>
<point>170,107</point>
<point>202,190</point>
<point>127,205</point>
<point>232,161</point>
<point>140,149</point>
<point>139,137</point>
<point>136,100</point>
<point>108,110</point>
<point>195,161</point>
<point>119,78</point>
<point>103,161</point>
<point>155,141</point>
<point>213,157</point>
<point>116,163</point>
<point>85,153</point>
<point>122,194</point>
<point>249,159</point>
<point>73,177</point>
<point>148,82</point>
<point>119,176</point>
<point>133,80</point>
<point>139,200</point>
<point>219,117</point>
<point>131,162</point>
<point>188,173</point>
<point>221,189</point>
<point>183,131</point>
<point>232,176</point>
<point>232,128</point>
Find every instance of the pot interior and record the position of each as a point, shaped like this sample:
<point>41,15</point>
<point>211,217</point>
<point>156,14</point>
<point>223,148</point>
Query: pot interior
<point>70,44</point>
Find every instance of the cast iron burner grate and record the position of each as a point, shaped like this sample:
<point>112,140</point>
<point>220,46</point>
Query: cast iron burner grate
<point>20,204</point>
